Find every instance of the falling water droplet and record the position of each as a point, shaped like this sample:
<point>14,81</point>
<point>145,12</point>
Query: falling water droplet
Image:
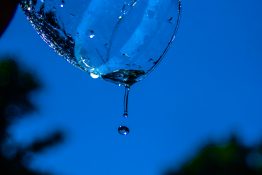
<point>125,115</point>
<point>123,130</point>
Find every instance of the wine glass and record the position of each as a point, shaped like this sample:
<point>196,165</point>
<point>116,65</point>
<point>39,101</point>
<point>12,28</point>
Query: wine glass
<point>120,41</point>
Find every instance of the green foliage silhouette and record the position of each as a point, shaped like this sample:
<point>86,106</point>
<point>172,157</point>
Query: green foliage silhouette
<point>229,158</point>
<point>16,86</point>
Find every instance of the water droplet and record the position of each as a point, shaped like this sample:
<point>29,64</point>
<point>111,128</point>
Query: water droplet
<point>123,130</point>
<point>91,34</point>
<point>125,115</point>
<point>94,75</point>
<point>62,3</point>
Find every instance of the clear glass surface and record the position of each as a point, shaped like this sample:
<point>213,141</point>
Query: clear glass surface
<point>118,40</point>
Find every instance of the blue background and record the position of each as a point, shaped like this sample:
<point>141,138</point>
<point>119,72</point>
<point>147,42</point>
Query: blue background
<point>209,85</point>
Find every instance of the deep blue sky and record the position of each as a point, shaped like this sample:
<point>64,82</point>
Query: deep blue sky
<point>209,85</point>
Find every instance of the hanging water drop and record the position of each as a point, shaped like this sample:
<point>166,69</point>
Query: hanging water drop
<point>94,75</point>
<point>123,130</point>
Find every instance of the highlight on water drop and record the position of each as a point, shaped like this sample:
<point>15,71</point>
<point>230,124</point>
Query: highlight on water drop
<point>94,75</point>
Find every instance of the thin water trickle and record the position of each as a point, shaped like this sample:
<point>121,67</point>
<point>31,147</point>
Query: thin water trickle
<point>127,89</point>
<point>124,130</point>
<point>124,78</point>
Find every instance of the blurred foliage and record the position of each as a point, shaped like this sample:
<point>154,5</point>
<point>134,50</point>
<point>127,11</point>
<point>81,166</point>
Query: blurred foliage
<point>229,158</point>
<point>7,11</point>
<point>16,86</point>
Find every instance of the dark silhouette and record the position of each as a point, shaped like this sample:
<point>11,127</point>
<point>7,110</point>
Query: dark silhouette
<point>7,11</point>
<point>229,158</point>
<point>16,86</point>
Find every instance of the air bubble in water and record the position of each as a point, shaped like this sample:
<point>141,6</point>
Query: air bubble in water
<point>123,130</point>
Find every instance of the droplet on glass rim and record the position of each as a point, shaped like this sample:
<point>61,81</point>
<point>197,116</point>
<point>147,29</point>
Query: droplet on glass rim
<point>94,75</point>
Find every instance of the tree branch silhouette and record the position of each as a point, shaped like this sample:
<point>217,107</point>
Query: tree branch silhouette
<point>229,158</point>
<point>16,86</point>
